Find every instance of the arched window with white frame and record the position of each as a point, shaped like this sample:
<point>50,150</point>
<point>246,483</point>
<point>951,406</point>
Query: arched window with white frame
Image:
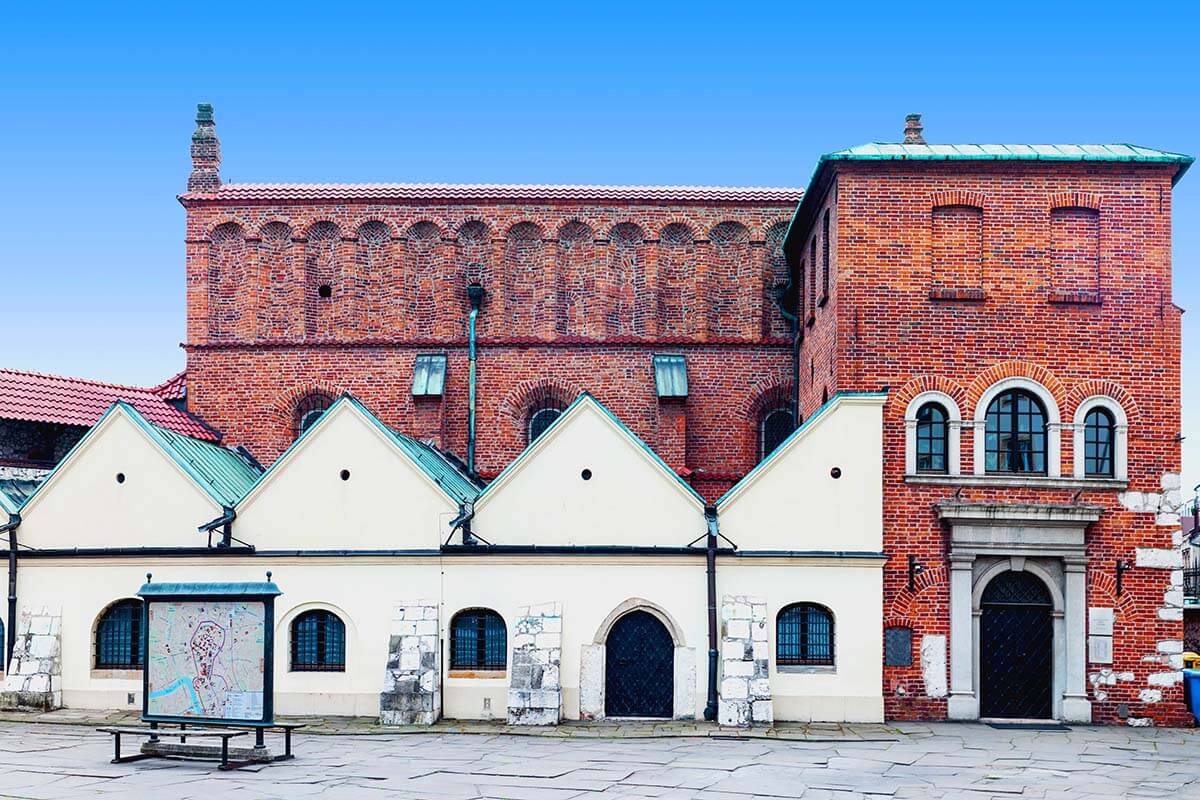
<point>1101,439</point>
<point>1017,432</point>
<point>932,423</point>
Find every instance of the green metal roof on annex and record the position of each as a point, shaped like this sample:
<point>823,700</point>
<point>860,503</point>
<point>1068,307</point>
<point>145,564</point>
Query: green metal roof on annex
<point>890,151</point>
<point>14,492</point>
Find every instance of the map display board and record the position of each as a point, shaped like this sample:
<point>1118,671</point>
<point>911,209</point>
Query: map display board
<point>207,658</point>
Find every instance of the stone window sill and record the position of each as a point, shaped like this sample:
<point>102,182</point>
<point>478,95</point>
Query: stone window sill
<point>477,673</point>
<point>1029,481</point>
<point>960,295</point>
<point>806,669</point>
<point>116,674</point>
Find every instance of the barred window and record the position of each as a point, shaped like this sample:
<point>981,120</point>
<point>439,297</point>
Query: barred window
<point>309,410</point>
<point>931,438</point>
<point>776,426</point>
<point>1098,429</point>
<point>1015,433</point>
<point>825,257</point>
<point>318,642</point>
<point>119,636</point>
<point>541,419</point>
<point>804,636</point>
<point>478,640</point>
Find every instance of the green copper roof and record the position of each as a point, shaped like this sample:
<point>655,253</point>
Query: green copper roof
<point>13,493</point>
<point>886,151</point>
<point>225,474</point>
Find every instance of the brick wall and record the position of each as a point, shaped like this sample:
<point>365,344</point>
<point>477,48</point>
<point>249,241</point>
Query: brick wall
<point>1049,238</point>
<point>578,297</point>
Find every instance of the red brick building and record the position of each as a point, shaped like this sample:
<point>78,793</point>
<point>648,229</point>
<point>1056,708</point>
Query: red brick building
<point>1014,300</point>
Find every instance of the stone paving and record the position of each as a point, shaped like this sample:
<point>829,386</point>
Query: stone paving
<point>55,762</point>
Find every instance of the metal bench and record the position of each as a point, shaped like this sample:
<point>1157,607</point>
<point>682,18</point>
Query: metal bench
<point>154,733</point>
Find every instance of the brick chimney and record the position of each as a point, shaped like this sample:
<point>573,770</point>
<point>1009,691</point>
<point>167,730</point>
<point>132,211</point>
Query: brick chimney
<point>913,129</point>
<point>206,153</point>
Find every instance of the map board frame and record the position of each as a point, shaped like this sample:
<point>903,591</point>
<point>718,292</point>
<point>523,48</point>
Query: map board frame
<point>166,593</point>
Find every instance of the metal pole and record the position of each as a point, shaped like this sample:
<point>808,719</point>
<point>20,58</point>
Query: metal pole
<point>710,557</point>
<point>14,521</point>
<point>475,296</point>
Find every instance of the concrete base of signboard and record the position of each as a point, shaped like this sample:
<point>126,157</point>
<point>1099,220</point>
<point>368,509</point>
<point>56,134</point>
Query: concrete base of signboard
<point>254,755</point>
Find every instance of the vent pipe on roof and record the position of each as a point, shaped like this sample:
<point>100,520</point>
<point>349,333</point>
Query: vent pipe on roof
<point>206,153</point>
<point>913,129</point>
<point>475,296</point>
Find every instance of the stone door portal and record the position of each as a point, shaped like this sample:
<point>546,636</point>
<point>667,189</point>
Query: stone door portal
<point>639,668</point>
<point>1016,648</point>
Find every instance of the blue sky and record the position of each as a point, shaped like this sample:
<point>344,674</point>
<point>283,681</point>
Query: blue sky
<point>98,100</point>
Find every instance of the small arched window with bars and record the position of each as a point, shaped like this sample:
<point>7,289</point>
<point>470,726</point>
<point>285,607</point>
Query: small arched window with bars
<point>309,410</point>
<point>318,642</point>
<point>540,419</point>
<point>119,636</point>
<point>773,429</point>
<point>478,640</point>
<point>804,636</point>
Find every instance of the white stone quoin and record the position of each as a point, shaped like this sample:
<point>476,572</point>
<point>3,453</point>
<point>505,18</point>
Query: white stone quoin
<point>745,680</point>
<point>411,685</point>
<point>535,688</point>
<point>34,676</point>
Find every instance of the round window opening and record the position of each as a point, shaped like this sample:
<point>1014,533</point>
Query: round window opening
<point>120,477</point>
<point>344,474</point>
<point>325,291</point>
<point>586,474</point>
<point>835,473</point>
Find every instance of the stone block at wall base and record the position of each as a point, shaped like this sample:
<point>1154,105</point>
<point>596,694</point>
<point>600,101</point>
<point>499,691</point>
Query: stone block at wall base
<point>535,688</point>
<point>962,706</point>
<point>411,691</point>
<point>1077,709</point>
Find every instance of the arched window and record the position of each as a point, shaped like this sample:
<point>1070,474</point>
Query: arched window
<point>119,636</point>
<point>776,426</point>
<point>1099,438</point>
<point>478,640</point>
<point>318,642</point>
<point>804,636</point>
<point>542,418</point>
<point>931,438</point>
<point>309,410</point>
<point>1015,433</point>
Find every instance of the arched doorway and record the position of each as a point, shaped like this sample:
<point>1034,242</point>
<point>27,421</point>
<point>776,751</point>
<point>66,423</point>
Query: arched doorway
<point>1016,647</point>
<point>639,667</point>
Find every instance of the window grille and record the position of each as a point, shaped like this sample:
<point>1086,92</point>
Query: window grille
<point>1098,430</point>
<point>1015,433</point>
<point>541,419</point>
<point>119,637</point>
<point>318,642</point>
<point>776,426</point>
<point>804,636</point>
<point>429,375</point>
<point>670,376</point>
<point>310,409</point>
<point>478,640</point>
<point>931,438</point>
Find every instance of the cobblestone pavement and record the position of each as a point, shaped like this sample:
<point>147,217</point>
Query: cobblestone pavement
<point>902,761</point>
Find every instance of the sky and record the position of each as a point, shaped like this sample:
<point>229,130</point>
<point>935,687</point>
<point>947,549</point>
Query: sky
<point>98,101</point>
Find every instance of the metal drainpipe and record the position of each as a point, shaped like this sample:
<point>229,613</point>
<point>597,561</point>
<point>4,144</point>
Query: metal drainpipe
<point>710,556</point>
<point>14,521</point>
<point>475,296</point>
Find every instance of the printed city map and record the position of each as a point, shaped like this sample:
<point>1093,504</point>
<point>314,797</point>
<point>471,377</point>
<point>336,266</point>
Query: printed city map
<point>205,659</point>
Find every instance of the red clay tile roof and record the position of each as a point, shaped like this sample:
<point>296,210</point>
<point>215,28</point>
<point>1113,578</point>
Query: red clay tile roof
<point>173,388</point>
<point>471,192</point>
<point>35,397</point>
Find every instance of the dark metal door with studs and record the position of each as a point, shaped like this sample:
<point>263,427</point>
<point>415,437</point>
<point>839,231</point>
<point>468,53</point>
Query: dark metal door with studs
<point>1016,646</point>
<point>639,666</point>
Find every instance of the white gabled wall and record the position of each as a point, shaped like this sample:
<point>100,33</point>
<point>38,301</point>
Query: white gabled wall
<point>386,504</point>
<point>83,505</point>
<point>792,502</point>
<point>630,498</point>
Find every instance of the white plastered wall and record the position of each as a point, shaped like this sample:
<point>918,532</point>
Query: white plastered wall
<point>83,505</point>
<point>630,498</point>
<point>792,502</point>
<point>386,504</point>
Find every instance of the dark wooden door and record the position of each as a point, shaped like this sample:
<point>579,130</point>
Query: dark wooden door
<point>1016,648</point>
<point>639,668</point>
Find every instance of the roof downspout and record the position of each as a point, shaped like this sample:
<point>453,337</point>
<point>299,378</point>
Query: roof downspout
<point>225,523</point>
<point>14,522</point>
<point>466,512</point>
<point>475,296</point>
<point>710,556</point>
